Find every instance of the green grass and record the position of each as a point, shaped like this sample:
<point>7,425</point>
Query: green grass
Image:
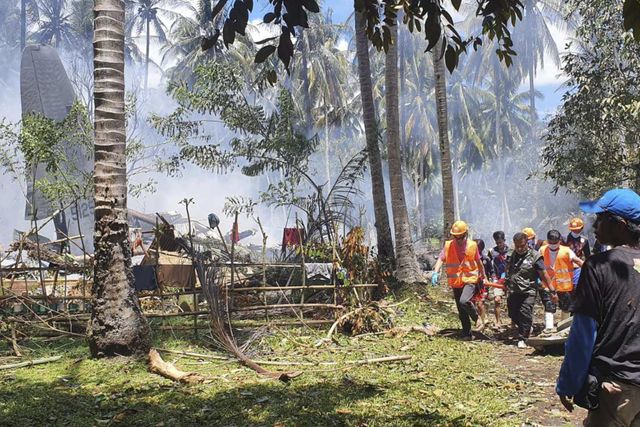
<point>448,382</point>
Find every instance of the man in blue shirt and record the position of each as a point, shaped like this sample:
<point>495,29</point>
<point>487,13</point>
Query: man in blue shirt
<point>604,341</point>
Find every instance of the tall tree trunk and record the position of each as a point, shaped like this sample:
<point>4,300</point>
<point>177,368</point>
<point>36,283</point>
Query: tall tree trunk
<point>117,325</point>
<point>448,203</point>
<point>383,230</point>
<point>327,162</point>
<point>304,75</point>
<point>23,24</point>
<point>146,60</point>
<point>499,147</point>
<point>532,98</point>
<point>407,270</point>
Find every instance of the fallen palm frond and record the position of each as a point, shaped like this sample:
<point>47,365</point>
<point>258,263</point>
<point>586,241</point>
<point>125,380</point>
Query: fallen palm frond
<point>220,329</point>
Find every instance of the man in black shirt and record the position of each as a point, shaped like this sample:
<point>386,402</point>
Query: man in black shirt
<point>605,335</point>
<point>524,267</point>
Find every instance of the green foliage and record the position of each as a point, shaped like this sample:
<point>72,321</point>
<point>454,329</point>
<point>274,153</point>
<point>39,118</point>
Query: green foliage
<point>592,142</point>
<point>61,147</point>
<point>258,141</point>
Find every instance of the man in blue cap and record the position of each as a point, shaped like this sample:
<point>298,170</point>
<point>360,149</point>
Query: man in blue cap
<point>601,369</point>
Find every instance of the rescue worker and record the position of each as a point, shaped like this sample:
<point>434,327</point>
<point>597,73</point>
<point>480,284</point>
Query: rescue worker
<point>463,267</point>
<point>531,238</point>
<point>545,296</point>
<point>579,244</point>
<point>481,293</point>
<point>498,256</point>
<point>601,353</point>
<point>560,261</point>
<point>525,270</point>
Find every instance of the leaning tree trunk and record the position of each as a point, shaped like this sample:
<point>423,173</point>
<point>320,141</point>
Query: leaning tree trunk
<point>146,60</point>
<point>117,325</point>
<point>407,269</point>
<point>383,230</point>
<point>448,203</point>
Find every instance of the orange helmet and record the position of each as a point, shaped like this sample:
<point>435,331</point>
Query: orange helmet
<point>576,224</point>
<point>528,231</point>
<point>459,228</point>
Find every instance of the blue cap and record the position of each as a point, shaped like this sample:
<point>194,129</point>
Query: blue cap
<point>623,202</point>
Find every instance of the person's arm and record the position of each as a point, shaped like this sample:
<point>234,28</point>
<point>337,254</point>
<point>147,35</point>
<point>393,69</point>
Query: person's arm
<point>546,280</point>
<point>480,266</point>
<point>438,265</point>
<point>577,358</point>
<point>435,277</point>
<point>574,258</point>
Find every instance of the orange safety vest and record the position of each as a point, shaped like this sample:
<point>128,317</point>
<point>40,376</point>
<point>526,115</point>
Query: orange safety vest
<point>461,272</point>
<point>561,273</point>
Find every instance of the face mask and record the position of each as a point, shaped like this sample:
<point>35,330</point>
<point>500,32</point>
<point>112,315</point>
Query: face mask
<point>574,234</point>
<point>554,247</point>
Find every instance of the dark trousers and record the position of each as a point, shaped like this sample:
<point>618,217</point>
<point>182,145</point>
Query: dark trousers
<point>545,297</point>
<point>466,310</point>
<point>520,308</point>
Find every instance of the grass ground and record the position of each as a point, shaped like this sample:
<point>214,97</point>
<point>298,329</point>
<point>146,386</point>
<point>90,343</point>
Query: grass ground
<point>447,382</point>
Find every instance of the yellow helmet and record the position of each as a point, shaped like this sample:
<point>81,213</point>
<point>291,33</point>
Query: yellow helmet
<point>576,224</point>
<point>459,228</point>
<point>529,232</point>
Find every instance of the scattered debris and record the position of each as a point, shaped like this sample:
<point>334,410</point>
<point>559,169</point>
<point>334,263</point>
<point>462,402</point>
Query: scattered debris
<point>167,370</point>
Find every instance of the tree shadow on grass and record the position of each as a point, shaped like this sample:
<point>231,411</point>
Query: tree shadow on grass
<point>68,402</point>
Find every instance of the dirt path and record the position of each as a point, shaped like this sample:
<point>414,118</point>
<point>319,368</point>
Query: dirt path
<point>533,376</point>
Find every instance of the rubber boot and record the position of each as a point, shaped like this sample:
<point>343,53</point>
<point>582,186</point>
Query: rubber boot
<point>548,321</point>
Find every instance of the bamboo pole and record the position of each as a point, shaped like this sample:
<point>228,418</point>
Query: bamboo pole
<point>30,363</point>
<point>276,306</point>
<point>287,288</point>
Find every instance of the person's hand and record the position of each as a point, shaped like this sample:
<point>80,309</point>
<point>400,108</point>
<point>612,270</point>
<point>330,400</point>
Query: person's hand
<point>611,388</point>
<point>567,402</point>
<point>554,297</point>
<point>435,277</point>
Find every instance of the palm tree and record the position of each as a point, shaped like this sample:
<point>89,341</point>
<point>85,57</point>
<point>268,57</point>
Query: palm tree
<point>117,325</point>
<point>533,40</point>
<point>145,15</point>
<point>28,12</point>
<point>383,230</point>
<point>324,77</point>
<point>55,24</point>
<point>448,205</point>
<point>407,270</point>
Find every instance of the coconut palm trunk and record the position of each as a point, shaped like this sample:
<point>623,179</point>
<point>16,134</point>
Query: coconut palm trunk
<point>383,230</point>
<point>407,270</point>
<point>117,325</point>
<point>448,202</point>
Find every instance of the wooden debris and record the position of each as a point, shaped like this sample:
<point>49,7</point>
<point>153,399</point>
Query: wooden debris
<point>167,370</point>
<point>14,342</point>
<point>30,363</point>
<point>429,330</point>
